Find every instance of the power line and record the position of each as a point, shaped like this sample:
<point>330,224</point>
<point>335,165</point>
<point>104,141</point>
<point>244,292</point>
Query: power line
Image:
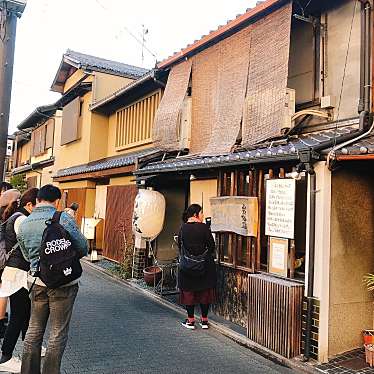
<point>141,42</point>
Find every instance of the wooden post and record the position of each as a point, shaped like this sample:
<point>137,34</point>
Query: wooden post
<point>260,197</point>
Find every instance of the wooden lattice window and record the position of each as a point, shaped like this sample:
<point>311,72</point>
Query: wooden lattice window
<point>134,123</point>
<point>250,253</point>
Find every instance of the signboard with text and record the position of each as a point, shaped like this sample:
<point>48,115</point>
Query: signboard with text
<point>280,208</point>
<point>278,256</point>
<point>238,214</point>
<point>88,227</point>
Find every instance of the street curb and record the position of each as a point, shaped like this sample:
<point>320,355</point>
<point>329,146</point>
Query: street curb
<point>295,364</point>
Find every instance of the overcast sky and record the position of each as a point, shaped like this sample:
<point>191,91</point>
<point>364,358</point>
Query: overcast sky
<point>101,28</point>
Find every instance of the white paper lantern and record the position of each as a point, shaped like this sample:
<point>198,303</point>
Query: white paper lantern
<point>149,214</point>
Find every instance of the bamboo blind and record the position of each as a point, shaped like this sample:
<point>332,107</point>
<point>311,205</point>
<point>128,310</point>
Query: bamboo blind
<point>233,62</point>
<point>267,79</point>
<point>134,123</point>
<point>167,121</point>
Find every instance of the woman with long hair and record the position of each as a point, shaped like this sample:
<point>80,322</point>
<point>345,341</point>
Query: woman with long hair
<point>14,279</point>
<point>196,239</point>
<point>8,205</point>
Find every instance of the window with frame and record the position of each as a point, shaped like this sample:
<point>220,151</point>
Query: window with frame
<point>42,138</point>
<point>134,123</point>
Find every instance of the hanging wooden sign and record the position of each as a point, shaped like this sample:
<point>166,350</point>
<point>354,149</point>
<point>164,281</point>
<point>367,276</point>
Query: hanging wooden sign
<point>238,214</point>
<point>280,208</point>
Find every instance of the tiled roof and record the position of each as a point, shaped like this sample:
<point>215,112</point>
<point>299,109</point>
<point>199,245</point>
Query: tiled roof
<point>362,147</point>
<point>286,150</point>
<point>21,169</point>
<point>106,163</point>
<point>96,63</point>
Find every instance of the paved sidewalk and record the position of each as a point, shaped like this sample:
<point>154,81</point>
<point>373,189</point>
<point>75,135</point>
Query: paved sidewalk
<point>116,330</point>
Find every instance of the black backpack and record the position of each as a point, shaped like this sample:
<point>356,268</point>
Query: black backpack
<point>59,262</point>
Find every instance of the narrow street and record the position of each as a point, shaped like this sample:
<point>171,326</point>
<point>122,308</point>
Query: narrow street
<point>115,330</point>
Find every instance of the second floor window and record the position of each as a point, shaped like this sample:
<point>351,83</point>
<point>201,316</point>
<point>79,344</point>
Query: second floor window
<point>42,138</point>
<point>134,123</point>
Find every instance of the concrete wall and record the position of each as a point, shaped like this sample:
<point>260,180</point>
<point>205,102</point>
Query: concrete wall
<point>338,28</point>
<point>352,255</point>
<point>105,84</point>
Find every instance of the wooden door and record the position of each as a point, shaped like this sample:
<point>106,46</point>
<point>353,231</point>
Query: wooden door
<point>118,221</point>
<point>77,195</point>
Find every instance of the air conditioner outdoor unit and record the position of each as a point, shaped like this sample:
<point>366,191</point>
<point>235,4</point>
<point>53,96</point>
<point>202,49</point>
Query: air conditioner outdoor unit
<point>185,122</point>
<point>289,109</point>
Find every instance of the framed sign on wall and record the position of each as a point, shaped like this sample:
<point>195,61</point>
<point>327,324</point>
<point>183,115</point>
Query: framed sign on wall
<point>280,208</point>
<point>278,256</point>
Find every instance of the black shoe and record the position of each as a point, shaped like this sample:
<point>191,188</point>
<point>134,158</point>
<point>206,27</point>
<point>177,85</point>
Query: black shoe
<point>204,324</point>
<point>188,325</point>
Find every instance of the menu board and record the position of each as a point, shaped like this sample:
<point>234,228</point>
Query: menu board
<point>88,227</point>
<point>237,214</point>
<point>280,208</point>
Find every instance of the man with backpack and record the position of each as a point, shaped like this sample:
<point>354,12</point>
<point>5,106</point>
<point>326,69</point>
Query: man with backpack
<point>53,244</point>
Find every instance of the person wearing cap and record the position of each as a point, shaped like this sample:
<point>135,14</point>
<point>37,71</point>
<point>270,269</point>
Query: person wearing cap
<point>8,206</point>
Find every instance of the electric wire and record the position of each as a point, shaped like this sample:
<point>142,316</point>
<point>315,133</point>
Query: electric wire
<point>345,70</point>
<point>130,33</point>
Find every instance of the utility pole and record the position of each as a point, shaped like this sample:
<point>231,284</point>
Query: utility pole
<point>10,10</point>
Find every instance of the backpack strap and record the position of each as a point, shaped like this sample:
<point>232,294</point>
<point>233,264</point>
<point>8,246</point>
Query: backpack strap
<point>55,218</point>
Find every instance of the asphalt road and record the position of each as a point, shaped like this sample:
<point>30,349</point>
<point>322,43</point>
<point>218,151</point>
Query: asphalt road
<point>117,330</point>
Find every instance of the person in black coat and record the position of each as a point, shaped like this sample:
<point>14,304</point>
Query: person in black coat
<point>197,238</point>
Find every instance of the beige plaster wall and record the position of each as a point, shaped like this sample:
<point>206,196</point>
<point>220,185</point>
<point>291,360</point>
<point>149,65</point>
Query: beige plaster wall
<point>122,181</point>
<point>99,137</point>
<point>338,28</point>
<point>200,193</point>
<point>78,152</point>
<point>352,255</point>
<point>106,84</point>
<point>76,184</point>
<point>45,156</point>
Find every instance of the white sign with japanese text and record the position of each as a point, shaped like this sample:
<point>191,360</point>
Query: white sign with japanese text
<point>280,208</point>
<point>237,214</point>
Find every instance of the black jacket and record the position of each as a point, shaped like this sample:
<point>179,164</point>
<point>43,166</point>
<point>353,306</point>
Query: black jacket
<point>197,238</point>
<point>16,259</point>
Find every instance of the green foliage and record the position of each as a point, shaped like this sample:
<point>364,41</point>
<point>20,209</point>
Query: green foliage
<point>19,182</point>
<point>369,281</point>
<point>124,268</point>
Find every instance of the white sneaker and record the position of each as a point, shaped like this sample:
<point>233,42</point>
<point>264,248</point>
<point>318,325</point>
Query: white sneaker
<point>43,351</point>
<point>13,365</point>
